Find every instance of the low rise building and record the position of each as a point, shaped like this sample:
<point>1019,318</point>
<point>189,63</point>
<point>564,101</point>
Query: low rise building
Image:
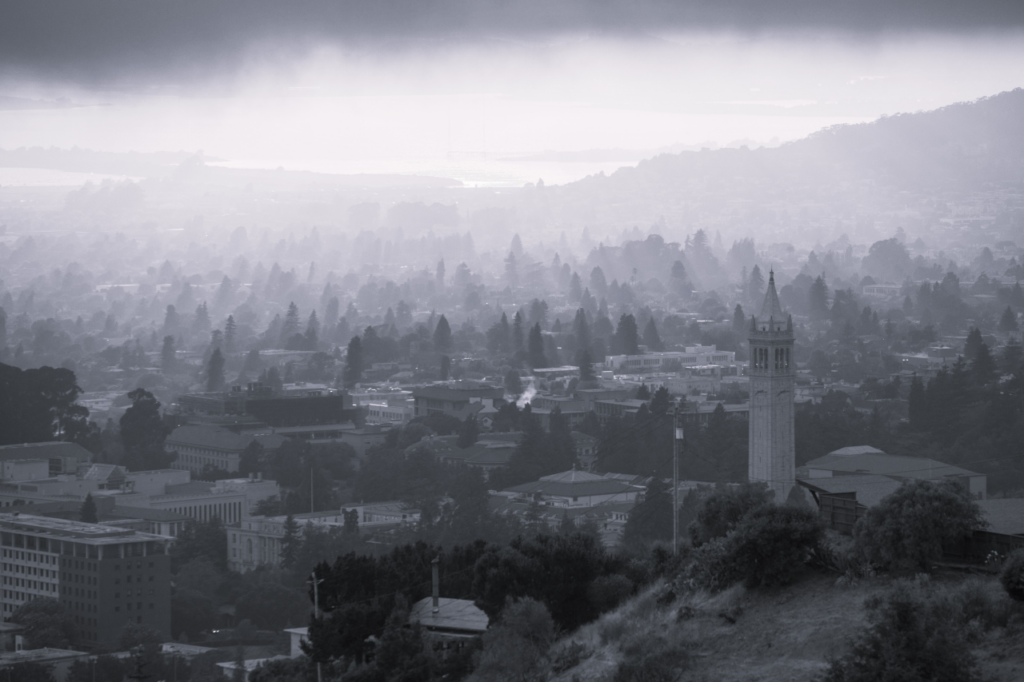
<point>457,399</point>
<point>201,446</point>
<point>692,356</point>
<point>256,541</point>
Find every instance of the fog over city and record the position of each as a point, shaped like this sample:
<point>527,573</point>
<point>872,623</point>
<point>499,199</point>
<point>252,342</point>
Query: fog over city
<point>511,340</point>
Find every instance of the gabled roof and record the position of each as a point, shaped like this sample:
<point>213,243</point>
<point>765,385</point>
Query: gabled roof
<point>771,308</point>
<point>454,615</point>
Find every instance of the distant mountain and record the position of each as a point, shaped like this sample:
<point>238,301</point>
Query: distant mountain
<point>136,164</point>
<point>968,144</point>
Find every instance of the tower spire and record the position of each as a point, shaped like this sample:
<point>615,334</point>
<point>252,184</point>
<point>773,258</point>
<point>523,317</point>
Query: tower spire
<point>771,309</point>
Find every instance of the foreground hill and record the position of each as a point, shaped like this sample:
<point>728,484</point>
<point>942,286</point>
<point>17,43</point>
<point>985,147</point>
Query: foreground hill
<point>769,635</point>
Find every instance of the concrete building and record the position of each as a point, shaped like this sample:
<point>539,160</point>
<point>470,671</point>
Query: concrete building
<point>256,541</point>
<point>202,446</point>
<point>61,457</point>
<point>772,370</point>
<point>57,661</point>
<point>692,356</point>
<point>458,399</point>
<point>105,577</point>
<point>169,490</point>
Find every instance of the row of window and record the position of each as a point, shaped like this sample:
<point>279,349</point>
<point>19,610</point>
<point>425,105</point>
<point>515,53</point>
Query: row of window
<point>30,584</point>
<point>29,570</point>
<point>30,556</point>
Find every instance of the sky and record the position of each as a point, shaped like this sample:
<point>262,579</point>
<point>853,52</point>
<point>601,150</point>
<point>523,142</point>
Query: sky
<point>482,89</point>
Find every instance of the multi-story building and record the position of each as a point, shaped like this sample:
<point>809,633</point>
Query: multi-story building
<point>105,577</point>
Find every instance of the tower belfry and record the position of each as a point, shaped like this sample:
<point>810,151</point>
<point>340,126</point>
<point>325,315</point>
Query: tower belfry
<point>772,447</point>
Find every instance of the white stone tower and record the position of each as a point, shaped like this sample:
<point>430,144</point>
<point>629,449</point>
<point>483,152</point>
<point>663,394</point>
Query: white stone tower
<point>772,376</point>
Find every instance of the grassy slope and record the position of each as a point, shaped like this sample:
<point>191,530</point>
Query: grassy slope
<point>784,634</point>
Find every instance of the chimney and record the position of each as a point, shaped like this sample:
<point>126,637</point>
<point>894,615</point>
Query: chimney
<point>437,584</point>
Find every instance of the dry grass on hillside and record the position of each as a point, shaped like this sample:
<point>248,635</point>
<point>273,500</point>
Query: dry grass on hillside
<point>770,635</point>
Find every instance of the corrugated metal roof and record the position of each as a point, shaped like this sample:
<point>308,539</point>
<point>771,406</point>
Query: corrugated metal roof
<point>460,615</point>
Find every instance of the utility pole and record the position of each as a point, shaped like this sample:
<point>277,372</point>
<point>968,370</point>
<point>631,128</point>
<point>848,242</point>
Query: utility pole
<point>316,606</point>
<point>676,442</point>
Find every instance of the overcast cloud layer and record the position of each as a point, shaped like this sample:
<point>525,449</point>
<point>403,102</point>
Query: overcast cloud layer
<point>96,41</point>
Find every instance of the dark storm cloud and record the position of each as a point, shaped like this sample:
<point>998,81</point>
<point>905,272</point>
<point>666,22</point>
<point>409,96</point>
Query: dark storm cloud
<point>104,39</point>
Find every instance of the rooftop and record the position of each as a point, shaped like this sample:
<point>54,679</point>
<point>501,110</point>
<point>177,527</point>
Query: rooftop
<point>44,451</point>
<point>77,530</point>
<point>460,615</point>
<point>888,465</point>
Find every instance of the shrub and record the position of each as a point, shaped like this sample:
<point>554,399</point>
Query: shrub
<point>722,511</point>
<point>1012,575</point>
<point>516,647</point>
<point>651,660</point>
<point>765,548</point>
<point>608,591</point>
<point>771,543</point>
<point>569,656</point>
<point>912,636</point>
<point>907,529</point>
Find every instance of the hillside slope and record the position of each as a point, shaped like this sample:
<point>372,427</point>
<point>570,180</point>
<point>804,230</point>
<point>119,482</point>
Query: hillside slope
<point>767,635</point>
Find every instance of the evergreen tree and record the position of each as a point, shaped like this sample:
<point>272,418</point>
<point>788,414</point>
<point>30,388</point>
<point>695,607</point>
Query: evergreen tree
<point>575,288</point>
<point>643,393</point>
<point>290,326</point>
<point>626,339</point>
<point>817,299</point>
<point>513,384</point>
<point>290,542</point>
<point>446,367</point>
<point>215,371</point>
<point>586,365</point>
<point>535,350</point>
<point>755,286</point>
<point>442,336</point>
<point>230,335</point>
<point>1008,321</point>
<point>517,333</point>
<point>972,344</point>
<point>984,365</point>
<point>168,356</point>
<point>312,335</point>
<point>651,337</point>
<point>739,321</point>
<point>354,363</point>
<point>88,513</point>
<point>469,432</point>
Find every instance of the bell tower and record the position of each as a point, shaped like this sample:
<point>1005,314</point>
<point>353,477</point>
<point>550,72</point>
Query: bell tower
<point>772,447</point>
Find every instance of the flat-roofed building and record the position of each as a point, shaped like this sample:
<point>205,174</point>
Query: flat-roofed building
<point>201,446</point>
<point>106,577</point>
<point>62,457</point>
<point>458,399</point>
